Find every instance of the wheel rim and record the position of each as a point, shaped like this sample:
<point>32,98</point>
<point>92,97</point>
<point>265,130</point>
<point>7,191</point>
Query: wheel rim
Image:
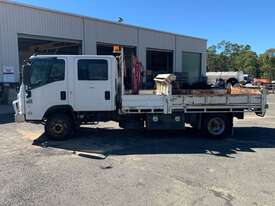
<point>58,127</point>
<point>216,126</point>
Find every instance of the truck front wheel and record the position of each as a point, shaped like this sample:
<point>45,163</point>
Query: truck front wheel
<point>59,126</point>
<point>219,126</point>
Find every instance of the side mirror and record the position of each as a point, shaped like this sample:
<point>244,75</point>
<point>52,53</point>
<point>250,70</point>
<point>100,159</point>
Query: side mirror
<point>26,73</point>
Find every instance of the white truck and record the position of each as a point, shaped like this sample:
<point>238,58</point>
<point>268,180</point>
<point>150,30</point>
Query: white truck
<point>227,77</point>
<point>63,92</point>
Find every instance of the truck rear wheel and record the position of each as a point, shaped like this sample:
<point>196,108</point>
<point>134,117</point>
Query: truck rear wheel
<point>218,125</point>
<point>59,126</point>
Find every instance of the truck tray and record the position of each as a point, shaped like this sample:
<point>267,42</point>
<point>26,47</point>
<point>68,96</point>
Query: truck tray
<point>193,103</point>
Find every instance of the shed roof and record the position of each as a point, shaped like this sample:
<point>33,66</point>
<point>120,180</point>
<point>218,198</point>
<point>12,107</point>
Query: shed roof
<point>95,19</point>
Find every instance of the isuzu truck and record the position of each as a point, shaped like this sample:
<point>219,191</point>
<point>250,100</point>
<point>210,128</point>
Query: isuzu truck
<point>63,92</point>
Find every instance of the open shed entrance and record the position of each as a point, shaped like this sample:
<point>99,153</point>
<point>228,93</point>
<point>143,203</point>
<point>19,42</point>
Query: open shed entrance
<point>129,52</point>
<point>30,45</point>
<point>157,62</point>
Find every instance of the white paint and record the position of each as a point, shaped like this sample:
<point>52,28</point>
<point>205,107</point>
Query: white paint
<point>89,95</point>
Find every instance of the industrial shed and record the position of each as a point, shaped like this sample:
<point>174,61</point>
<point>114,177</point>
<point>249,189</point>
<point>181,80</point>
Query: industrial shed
<point>25,30</point>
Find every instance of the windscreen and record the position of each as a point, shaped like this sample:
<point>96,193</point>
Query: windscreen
<point>45,71</point>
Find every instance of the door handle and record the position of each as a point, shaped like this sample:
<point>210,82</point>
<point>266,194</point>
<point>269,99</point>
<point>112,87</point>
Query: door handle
<point>107,95</point>
<point>63,95</point>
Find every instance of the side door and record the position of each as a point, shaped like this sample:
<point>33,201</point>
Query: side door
<point>92,85</point>
<point>48,86</point>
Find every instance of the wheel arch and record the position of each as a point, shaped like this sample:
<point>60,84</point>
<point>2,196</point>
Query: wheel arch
<point>232,80</point>
<point>67,109</point>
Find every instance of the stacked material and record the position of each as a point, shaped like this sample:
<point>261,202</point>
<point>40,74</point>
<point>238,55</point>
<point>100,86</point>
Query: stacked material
<point>165,86</point>
<point>208,92</point>
<point>244,90</point>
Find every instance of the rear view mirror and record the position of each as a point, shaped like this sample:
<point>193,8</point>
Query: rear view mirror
<point>26,73</point>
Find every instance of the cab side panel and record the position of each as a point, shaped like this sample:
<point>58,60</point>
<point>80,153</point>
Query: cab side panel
<point>40,99</point>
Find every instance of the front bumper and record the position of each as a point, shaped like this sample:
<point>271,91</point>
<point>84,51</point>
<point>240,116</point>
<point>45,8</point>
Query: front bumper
<point>19,117</point>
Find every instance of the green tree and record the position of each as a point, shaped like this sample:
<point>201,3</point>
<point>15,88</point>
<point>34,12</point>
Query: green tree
<point>213,59</point>
<point>267,64</point>
<point>228,56</point>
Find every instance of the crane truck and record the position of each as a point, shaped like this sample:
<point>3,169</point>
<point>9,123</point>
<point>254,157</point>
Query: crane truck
<point>63,92</point>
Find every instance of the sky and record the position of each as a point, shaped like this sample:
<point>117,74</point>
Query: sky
<point>240,21</point>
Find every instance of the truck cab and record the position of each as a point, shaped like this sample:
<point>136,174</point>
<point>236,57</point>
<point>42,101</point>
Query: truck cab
<point>81,83</point>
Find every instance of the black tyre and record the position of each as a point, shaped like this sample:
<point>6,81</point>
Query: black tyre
<point>59,126</point>
<point>232,81</point>
<point>218,126</point>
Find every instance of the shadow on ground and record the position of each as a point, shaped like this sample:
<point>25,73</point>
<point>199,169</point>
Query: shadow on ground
<point>121,142</point>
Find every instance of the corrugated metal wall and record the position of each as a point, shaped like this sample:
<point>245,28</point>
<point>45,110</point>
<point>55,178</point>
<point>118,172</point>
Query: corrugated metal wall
<point>16,20</point>
<point>19,19</point>
<point>190,45</point>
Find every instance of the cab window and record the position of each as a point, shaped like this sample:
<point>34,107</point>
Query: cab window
<point>92,69</point>
<point>45,71</point>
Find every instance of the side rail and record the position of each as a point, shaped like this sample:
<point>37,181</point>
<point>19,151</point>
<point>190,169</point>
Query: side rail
<point>143,104</point>
<point>194,104</point>
<point>219,104</point>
